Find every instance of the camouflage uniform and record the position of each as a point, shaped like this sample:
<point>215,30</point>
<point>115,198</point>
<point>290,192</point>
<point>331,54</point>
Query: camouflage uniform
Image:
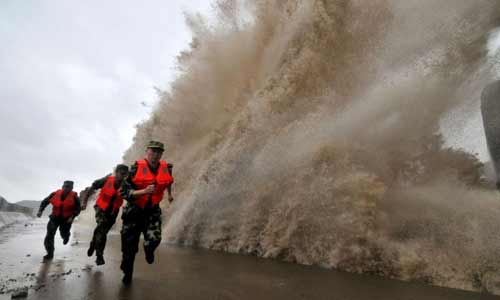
<point>136,221</point>
<point>64,225</point>
<point>104,219</point>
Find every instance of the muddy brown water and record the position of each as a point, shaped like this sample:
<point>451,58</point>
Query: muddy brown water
<point>181,273</point>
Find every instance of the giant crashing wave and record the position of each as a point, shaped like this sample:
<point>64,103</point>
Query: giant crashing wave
<point>308,131</point>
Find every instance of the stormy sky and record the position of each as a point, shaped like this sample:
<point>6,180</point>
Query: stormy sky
<point>73,77</point>
<point>77,76</point>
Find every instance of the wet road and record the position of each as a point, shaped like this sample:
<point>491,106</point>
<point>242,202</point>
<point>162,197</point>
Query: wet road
<point>181,273</point>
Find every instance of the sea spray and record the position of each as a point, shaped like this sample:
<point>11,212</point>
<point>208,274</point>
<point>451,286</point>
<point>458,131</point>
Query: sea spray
<point>309,131</point>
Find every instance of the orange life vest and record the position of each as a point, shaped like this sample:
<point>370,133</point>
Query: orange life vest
<point>109,196</point>
<point>145,177</point>
<point>64,208</point>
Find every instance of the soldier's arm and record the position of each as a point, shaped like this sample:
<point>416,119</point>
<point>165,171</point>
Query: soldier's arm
<point>44,204</point>
<point>129,191</point>
<point>78,208</point>
<point>169,191</point>
<point>97,184</point>
<point>127,188</point>
<point>169,187</point>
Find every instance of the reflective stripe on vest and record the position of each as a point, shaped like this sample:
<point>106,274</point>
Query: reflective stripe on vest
<point>109,196</point>
<point>63,207</point>
<point>145,177</point>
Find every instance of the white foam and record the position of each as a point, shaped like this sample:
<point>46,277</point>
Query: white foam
<point>494,42</point>
<point>7,218</point>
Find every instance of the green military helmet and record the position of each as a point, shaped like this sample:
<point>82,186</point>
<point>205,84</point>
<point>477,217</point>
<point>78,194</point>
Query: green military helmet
<point>156,145</point>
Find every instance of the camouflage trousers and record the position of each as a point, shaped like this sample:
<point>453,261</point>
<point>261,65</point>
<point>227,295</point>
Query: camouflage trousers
<point>104,223</point>
<point>52,226</point>
<point>135,222</point>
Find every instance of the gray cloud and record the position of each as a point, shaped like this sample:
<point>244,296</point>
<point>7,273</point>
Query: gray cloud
<point>72,79</point>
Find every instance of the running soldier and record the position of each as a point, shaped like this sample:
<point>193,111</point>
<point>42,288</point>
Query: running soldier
<point>107,207</point>
<point>144,189</point>
<point>65,207</point>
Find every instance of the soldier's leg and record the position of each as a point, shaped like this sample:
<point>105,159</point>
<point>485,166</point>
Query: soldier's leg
<point>130,234</point>
<point>104,223</point>
<point>49,237</point>
<point>91,249</point>
<point>65,230</point>
<point>105,226</point>
<point>152,233</point>
<point>133,224</point>
<point>110,221</point>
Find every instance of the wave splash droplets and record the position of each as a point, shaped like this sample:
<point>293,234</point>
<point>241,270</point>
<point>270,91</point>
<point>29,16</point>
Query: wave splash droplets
<point>309,131</point>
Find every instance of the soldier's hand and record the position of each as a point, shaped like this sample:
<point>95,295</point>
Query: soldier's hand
<point>39,214</point>
<point>84,207</point>
<point>69,220</point>
<point>170,198</point>
<point>149,189</point>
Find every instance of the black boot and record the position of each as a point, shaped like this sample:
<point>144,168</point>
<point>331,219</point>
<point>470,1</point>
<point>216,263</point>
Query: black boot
<point>150,255</point>
<point>91,249</point>
<point>127,278</point>
<point>48,256</point>
<point>66,240</point>
<point>99,260</point>
<point>127,266</point>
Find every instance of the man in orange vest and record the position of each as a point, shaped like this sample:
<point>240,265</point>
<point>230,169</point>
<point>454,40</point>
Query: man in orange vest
<point>107,206</point>
<point>143,189</point>
<point>65,207</point>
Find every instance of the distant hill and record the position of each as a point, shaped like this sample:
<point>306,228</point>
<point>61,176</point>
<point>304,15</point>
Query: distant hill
<point>12,207</point>
<point>33,204</point>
